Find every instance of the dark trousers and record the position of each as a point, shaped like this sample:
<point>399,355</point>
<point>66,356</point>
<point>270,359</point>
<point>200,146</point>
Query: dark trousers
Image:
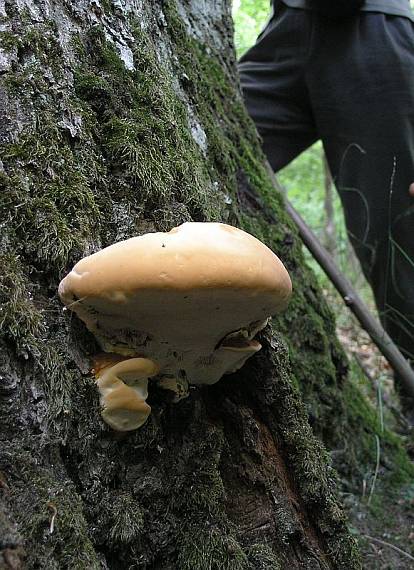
<point>350,84</point>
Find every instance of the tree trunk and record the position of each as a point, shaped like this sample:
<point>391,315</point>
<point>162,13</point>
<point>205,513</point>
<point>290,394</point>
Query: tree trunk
<point>119,118</point>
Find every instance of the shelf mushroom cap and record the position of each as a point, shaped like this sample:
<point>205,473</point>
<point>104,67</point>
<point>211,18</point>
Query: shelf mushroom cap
<point>174,297</point>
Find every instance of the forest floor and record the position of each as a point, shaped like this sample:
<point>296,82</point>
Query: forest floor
<point>387,537</point>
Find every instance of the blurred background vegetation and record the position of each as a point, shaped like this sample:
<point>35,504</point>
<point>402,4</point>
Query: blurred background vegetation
<point>307,179</point>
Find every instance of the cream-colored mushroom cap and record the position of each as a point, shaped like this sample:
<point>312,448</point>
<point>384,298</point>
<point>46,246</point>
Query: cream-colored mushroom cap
<point>174,297</point>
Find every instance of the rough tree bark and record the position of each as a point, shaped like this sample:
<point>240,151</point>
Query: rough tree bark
<point>118,118</point>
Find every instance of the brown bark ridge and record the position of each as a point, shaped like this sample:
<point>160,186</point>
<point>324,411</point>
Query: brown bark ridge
<point>121,117</point>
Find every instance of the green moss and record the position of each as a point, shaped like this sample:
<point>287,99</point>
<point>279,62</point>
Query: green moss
<point>210,549</point>
<point>140,113</point>
<point>20,320</point>
<point>8,40</point>
<point>261,557</point>
<point>202,493</point>
<point>127,519</point>
<point>94,89</point>
<point>107,5</point>
<point>52,209</point>
<point>42,498</point>
<point>32,41</point>
<point>23,323</point>
<point>363,423</point>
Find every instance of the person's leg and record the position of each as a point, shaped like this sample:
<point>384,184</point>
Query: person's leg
<point>272,81</point>
<point>361,81</point>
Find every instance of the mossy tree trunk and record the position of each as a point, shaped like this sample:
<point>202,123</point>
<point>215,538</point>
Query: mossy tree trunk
<point>119,118</point>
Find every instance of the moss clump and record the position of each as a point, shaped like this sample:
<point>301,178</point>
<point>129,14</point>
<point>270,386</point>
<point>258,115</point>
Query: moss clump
<point>23,324</point>
<point>202,494</point>
<point>261,557</point>
<point>133,112</point>
<point>20,320</point>
<point>127,519</point>
<point>52,207</point>
<point>210,549</point>
<point>363,423</point>
<point>30,41</point>
<point>50,513</point>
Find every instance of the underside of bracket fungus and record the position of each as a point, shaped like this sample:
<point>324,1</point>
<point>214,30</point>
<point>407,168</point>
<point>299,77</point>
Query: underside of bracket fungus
<point>182,306</point>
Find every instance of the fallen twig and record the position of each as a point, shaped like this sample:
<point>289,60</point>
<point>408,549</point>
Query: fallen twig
<point>389,545</point>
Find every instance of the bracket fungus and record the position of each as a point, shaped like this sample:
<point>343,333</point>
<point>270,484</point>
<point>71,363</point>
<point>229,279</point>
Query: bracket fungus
<point>183,306</point>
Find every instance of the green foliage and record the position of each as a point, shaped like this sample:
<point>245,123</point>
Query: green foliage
<point>250,16</point>
<point>365,425</point>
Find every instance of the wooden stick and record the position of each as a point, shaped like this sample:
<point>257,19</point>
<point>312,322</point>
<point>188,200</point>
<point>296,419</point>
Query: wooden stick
<point>389,545</point>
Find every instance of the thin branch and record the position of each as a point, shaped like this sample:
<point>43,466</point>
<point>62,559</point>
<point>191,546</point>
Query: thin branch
<point>389,545</point>
<point>377,465</point>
